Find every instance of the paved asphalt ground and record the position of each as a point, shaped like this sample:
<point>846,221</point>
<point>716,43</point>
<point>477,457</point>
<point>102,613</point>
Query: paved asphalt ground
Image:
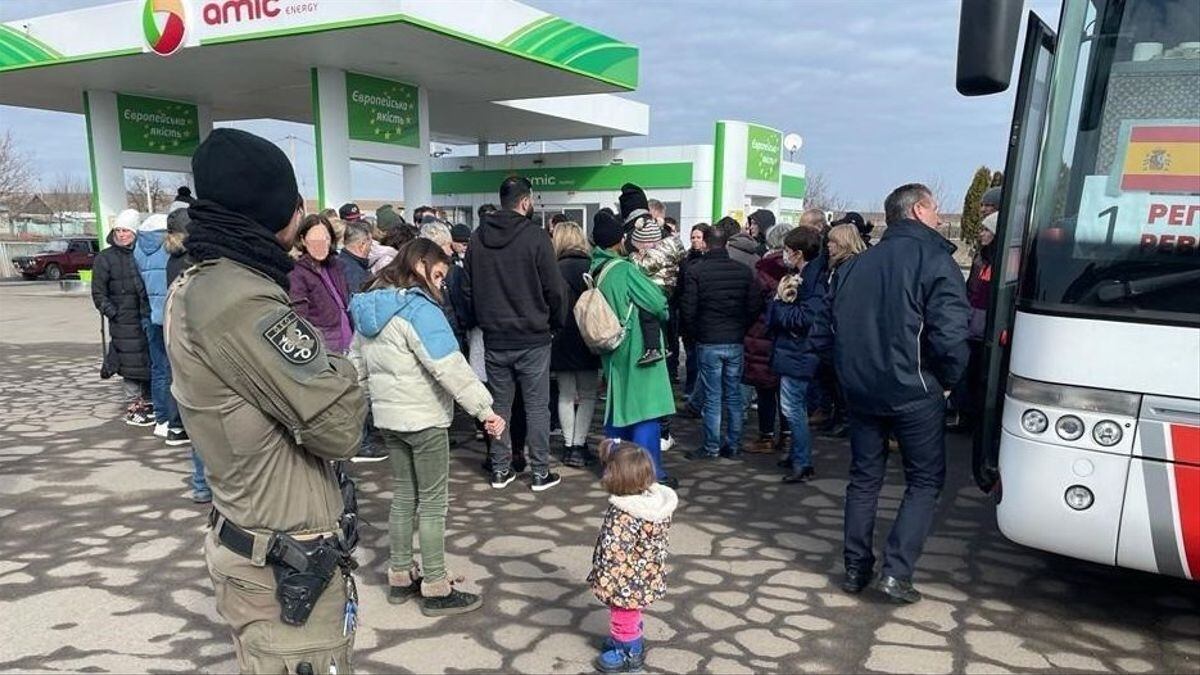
<point>101,566</point>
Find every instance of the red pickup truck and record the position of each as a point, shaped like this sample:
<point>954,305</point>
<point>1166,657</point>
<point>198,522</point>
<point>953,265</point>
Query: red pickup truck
<point>60,258</point>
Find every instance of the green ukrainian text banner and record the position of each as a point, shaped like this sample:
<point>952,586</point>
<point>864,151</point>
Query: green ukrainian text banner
<point>568,179</point>
<point>382,111</point>
<point>763,148</point>
<point>794,187</point>
<point>157,126</point>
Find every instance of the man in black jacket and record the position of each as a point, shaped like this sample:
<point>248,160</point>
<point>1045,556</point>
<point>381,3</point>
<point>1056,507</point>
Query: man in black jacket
<point>355,266</point>
<point>516,296</point>
<point>720,302</point>
<point>899,318</point>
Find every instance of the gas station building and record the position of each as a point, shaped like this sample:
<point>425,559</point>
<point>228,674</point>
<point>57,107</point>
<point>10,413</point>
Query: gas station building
<point>379,81</point>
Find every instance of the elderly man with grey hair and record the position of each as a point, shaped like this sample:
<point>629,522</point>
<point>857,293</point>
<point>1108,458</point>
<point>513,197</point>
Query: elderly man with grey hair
<point>354,258</point>
<point>899,321</point>
<point>439,233</point>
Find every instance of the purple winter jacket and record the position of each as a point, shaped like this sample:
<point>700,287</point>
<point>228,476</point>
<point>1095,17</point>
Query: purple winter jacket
<point>311,299</point>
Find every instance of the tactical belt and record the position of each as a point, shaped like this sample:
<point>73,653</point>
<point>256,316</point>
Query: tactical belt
<point>259,548</point>
<point>303,569</point>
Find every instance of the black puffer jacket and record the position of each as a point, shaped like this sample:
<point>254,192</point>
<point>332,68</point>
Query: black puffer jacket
<point>721,301</point>
<point>118,293</point>
<point>900,321</point>
<point>569,353</point>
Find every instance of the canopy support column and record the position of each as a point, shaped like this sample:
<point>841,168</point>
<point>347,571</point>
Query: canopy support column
<point>342,136</point>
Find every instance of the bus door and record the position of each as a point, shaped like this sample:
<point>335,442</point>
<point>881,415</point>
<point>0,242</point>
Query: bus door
<point>1020,178</point>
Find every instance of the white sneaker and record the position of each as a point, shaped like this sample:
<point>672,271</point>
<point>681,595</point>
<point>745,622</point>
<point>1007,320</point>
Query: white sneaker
<point>161,429</point>
<point>667,443</point>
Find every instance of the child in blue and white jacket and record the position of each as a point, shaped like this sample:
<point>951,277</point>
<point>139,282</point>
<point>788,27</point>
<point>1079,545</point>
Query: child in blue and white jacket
<point>407,356</point>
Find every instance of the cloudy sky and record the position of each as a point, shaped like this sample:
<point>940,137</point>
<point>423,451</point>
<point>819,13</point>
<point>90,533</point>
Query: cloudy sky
<point>869,84</point>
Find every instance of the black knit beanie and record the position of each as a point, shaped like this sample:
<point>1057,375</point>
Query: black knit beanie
<point>633,203</point>
<point>607,229</point>
<point>248,175</point>
<point>460,233</point>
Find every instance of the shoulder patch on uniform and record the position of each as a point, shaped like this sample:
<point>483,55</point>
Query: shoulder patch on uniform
<point>293,338</point>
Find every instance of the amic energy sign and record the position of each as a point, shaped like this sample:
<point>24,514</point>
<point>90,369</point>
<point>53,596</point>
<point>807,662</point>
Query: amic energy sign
<point>157,126</point>
<point>763,151</point>
<point>382,111</point>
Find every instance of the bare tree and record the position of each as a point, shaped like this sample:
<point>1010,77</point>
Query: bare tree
<point>137,188</point>
<point>820,195</point>
<point>67,194</point>
<point>16,173</point>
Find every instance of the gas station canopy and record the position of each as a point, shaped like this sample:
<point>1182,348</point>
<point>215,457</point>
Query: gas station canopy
<point>259,67</point>
<point>408,71</point>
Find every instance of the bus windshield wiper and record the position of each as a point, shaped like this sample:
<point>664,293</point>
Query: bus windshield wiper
<point>1115,290</point>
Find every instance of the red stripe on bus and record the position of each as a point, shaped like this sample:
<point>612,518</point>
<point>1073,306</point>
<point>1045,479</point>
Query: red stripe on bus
<point>1179,134</point>
<point>1160,183</point>
<point>1185,441</point>
<point>1187,489</point>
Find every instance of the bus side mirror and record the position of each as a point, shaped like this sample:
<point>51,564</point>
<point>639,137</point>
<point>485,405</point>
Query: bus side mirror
<point>987,42</point>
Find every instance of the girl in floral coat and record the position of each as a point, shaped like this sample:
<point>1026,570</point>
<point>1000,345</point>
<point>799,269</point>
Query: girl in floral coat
<point>629,562</point>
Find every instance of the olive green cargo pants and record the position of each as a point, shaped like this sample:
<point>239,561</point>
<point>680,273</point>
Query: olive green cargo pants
<point>263,642</point>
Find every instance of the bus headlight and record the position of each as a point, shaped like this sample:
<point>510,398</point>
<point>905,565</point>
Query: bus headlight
<point>1107,433</point>
<point>1079,498</point>
<point>1069,428</point>
<point>1034,421</point>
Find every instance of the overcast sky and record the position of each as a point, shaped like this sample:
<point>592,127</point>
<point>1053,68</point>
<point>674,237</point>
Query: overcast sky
<point>869,84</point>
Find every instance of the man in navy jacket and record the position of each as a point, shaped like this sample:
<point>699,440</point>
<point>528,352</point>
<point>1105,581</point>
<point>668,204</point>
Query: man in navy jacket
<point>899,317</point>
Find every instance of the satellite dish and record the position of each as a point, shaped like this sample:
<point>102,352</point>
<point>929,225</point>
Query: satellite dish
<point>792,142</point>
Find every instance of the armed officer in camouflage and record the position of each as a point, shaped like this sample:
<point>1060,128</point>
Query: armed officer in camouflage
<point>268,410</point>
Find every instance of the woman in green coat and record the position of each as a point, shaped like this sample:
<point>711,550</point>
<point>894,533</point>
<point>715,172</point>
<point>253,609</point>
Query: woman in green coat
<point>638,396</point>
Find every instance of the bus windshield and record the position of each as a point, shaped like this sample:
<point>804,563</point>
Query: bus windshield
<point>1115,226</point>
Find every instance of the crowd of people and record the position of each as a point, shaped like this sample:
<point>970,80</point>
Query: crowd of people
<point>281,344</point>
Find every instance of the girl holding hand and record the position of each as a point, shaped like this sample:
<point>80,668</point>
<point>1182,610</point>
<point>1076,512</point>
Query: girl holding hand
<point>407,356</point>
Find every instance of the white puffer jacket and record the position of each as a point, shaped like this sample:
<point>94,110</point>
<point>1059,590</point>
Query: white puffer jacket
<point>408,359</point>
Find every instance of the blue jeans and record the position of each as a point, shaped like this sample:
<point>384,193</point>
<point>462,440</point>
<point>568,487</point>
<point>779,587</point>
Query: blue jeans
<point>721,369</point>
<point>645,434</point>
<point>923,452</point>
<point>199,482</point>
<point>792,398</point>
<point>160,377</point>
<point>692,363</point>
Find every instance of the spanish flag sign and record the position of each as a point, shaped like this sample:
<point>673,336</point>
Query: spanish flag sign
<point>1160,157</point>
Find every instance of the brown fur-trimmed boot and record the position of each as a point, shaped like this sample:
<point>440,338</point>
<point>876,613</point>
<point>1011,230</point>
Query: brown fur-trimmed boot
<point>440,598</point>
<point>403,585</point>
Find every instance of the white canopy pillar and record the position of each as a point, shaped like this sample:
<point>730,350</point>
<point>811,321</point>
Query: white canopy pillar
<point>104,153</point>
<point>368,118</point>
<point>126,131</point>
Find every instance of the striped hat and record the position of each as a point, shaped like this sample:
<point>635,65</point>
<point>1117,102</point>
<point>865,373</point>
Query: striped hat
<point>647,231</point>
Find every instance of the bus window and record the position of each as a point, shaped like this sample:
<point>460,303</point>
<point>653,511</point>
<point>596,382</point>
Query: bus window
<point>1117,227</point>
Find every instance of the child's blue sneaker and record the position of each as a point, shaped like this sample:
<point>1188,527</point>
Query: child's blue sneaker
<point>621,657</point>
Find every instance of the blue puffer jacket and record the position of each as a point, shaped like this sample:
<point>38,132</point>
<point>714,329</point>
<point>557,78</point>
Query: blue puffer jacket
<point>899,319</point>
<point>798,345</point>
<point>151,258</point>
